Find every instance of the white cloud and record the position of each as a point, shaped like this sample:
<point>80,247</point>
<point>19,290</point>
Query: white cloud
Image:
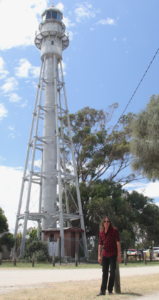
<point>10,127</point>
<point>37,163</point>
<point>14,97</point>
<point>89,5</point>
<point>70,35</point>
<point>35,71</point>
<point>124,39</point>
<point>9,193</point>
<point>84,12</point>
<point>67,22</point>
<point>2,158</point>
<point>60,6</point>
<point>12,135</point>
<point>98,11</point>
<point>10,85</point>
<point>25,67</point>
<point>91,29</point>
<point>23,22</point>
<point>3,71</point>
<point>11,179</point>
<point>107,21</point>
<point>64,66</point>
<point>34,84</point>
<point>151,189</point>
<point>114,39</point>
<point>135,185</point>
<point>3,111</point>
<point>24,104</point>
<point>148,189</point>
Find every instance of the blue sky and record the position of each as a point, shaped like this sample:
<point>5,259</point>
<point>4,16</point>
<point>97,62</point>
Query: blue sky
<point>111,44</point>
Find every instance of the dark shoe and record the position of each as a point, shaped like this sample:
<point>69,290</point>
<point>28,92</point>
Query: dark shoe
<point>102,293</point>
<point>110,293</point>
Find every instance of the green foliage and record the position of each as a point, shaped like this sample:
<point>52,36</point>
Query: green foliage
<point>144,145</point>
<point>126,239</point>
<point>19,239</point>
<point>37,247</point>
<point>41,256</point>
<point>134,214</point>
<point>151,223</point>
<point>106,198</point>
<point>3,222</point>
<point>32,233</point>
<point>96,146</point>
<point>7,239</point>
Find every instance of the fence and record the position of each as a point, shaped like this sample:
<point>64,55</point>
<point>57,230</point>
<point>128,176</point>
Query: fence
<point>72,247</point>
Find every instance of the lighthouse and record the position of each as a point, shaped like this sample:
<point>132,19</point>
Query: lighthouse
<point>50,111</point>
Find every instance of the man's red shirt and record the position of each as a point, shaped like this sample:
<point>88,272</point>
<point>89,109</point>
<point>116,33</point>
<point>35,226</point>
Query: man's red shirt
<point>109,242</point>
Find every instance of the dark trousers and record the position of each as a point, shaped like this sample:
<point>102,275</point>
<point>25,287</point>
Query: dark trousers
<point>106,262</point>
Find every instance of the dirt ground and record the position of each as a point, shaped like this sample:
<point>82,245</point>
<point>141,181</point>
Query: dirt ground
<point>131,287</point>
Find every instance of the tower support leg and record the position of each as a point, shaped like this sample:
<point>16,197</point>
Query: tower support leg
<point>63,155</point>
<point>40,198</point>
<point>32,165</point>
<point>58,161</point>
<point>27,156</point>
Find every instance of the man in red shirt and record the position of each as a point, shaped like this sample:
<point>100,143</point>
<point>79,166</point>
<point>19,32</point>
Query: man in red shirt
<point>109,247</point>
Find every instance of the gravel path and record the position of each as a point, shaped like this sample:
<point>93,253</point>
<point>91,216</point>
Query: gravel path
<point>33,276</point>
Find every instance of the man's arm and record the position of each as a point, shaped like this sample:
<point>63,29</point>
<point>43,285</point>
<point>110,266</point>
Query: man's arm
<point>119,252</point>
<point>99,253</point>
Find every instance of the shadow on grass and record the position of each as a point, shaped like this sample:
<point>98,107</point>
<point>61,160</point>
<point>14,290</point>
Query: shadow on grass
<point>131,294</point>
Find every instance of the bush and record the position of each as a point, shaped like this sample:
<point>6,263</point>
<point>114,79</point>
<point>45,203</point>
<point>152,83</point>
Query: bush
<point>40,250</point>
<point>41,256</point>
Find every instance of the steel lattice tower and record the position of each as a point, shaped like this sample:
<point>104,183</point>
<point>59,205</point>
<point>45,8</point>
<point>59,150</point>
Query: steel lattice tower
<point>52,177</point>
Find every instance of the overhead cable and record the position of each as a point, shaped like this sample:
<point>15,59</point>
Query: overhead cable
<point>137,87</point>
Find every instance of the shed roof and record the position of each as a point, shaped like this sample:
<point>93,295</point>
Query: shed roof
<point>68,229</point>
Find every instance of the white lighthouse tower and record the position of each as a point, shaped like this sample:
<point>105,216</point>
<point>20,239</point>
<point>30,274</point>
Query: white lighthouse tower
<point>49,112</point>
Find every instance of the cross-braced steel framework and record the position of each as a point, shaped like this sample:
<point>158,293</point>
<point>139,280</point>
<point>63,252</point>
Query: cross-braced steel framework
<point>63,177</point>
<point>53,177</point>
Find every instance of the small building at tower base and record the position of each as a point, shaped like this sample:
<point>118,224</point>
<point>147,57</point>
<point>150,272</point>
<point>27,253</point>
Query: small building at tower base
<point>72,241</point>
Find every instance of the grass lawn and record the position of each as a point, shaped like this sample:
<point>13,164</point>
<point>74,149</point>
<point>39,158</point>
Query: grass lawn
<point>131,287</point>
<point>72,266</point>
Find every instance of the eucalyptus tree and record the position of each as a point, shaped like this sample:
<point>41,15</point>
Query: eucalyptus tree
<point>135,215</point>
<point>98,147</point>
<point>145,142</point>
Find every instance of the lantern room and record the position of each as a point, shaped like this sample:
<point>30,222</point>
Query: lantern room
<point>52,13</point>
